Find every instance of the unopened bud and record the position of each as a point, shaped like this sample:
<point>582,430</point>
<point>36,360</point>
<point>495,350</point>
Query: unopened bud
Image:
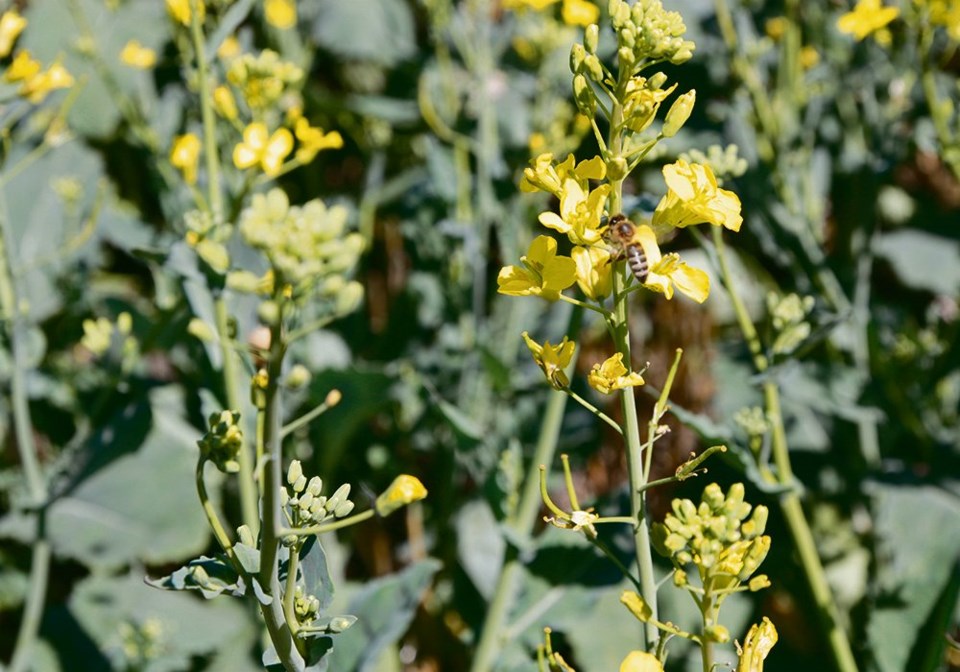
<point>577,56</point>
<point>245,536</point>
<point>617,168</point>
<point>716,633</point>
<point>333,398</point>
<point>243,281</point>
<point>268,312</point>
<point>349,299</point>
<point>343,509</point>
<point>201,330</point>
<point>294,472</point>
<point>584,96</point>
<point>679,113</point>
<point>314,486</point>
<point>591,38</point>
<point>404,490</point>
<point>298,377</point>
<point>626,58</point>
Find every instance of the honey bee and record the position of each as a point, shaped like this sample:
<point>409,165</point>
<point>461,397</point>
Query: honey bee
<point>621,231</point>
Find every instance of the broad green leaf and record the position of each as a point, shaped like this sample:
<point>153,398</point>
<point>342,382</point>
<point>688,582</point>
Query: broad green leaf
<point>381,31</point>
<point>108,607</point>
<point>918,556</point>
<point>922,260</point>
<point>384,608</point>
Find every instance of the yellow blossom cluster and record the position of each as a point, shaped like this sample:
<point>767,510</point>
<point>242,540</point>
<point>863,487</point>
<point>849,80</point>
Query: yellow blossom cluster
<point>36,83</point>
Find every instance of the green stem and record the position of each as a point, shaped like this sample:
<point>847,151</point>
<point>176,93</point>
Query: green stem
<point>790,505</point>
<point>939,113</point>
<point>27,451</point>
<point>212,518</point>
<point>709,615</point>
<point>330,527</point>
<point>273,615</point>
<point>231,378</point>
<point>522,523</point>
<point>593,409</point>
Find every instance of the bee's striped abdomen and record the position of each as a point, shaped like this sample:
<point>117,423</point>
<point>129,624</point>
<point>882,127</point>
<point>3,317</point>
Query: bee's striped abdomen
<point>637,261</point>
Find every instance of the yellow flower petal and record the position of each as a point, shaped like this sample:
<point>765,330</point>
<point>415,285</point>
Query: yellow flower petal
<point>138,56</point>
<point>280,14</point>
<point>404,490</point>
<point>11,25</point>
<point>640,661</point>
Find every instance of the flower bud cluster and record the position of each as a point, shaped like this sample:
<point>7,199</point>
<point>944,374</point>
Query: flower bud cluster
<point>788,318</point>
<point>306,245</point>
<point>304,503</point>
<point>646,31</point>
<point>306,607</point>
<point>725,162</point>
<point>221,444</point>
<point>717,537</point>
<point>208,238</point>
<point>262,79</point>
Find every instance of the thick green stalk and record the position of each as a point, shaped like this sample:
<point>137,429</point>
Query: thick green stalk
<point>522,524</point>
<point>631,425</point>
<point>790,504</point>
<point>269,579</point>
<point>231,378</point>
<point>26,447</point>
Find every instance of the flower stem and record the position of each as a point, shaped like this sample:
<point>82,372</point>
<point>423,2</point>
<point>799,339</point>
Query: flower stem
<point>790,504</point>
<point>27,451</point>
<point>231,378</point>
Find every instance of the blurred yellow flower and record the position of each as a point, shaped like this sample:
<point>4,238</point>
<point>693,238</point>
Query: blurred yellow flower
<point>667,270</point>
<point>229,48</point>
<point>22,68</point>
<point>867,16</point>
<point>224,103</point>
<point>613,375</point>
<point>945,13</point>
<point>775,27</point>
<point>37,86</point>
<point>185,155</point>
<point>552,359</point>
<point>536,5</point>
<point>594,271</point>
<point>757,646</point>
<point>809,57</point>
<point>541,273</point>
<point>259,147</point>
<point>404,490</point>
<point>579,12</point>
<point>11,25</point>
<point>640,661</point>
<point>280,14</point>
<point>313,140</point>
<point>138,56</point>
<point>693,197</point>
<point>180,10</point>
<point>580,213</point>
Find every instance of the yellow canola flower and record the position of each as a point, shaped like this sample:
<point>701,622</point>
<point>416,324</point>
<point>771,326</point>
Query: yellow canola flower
<point>313,140</point>
<point>280,14</point>
<point>404,490</point>
<point>579,12</point>
<point>693,197</point>
<point>809,57</point>
<point>868,16</point>
<point>552,359</point>
<point>180,10</point>
<point>641,102</point>
<point>757,646</point>
<point>613,375</point>
<point>536,5</point>
<point>224,103</point>
<point>640,661</point>
<point>36,87</point>
<point>541,272</point>
<point>667,270</point>
<point>229,48</point>
<point>945,13</point>
<point>11,25</point>
<point>185,156</point>
<point>22,68</point>
<point>542,175</point>
<point>594,271</point>
<point>138,56</point>
<point>259,147</point>
<point>580,213</point>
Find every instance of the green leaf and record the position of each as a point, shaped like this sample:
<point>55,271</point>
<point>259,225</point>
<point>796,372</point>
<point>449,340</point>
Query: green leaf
<point>381,31</point>
<point>384,608</point>
<point>106,607</point>
<point>316,576</point>
<point>923,260</point>
<point>141,506</point>
<point>918,560</point>
<point>221,578</point>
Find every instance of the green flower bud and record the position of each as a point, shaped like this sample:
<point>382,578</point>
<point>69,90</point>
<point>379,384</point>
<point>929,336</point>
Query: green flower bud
<point>306,499</point>
<point>626,58</point>
<point>591,38</point>
<point>577,56</point>
<point>343,509</point>
<point>679,113</point>
<point>584,96</point>
<point>294,472</point>
<point>617,168</point>
<point>214,254</point>
<point>342,493</point>
<point>349,299</point>
<point>759,582</point>
<point>680,578</point>
<point>300,484</point>
<point>314,486</point>
<point>246,282</point>
<point>593,67</point>
<point>221,444</point>
<point>637,605</point>
<point>716,633</point>
<point>757,523</point>
<point>298,377</point>
<point>245,536</point>
<point>201,330</point>
<point>268,312</point>
<point>656,81</point>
